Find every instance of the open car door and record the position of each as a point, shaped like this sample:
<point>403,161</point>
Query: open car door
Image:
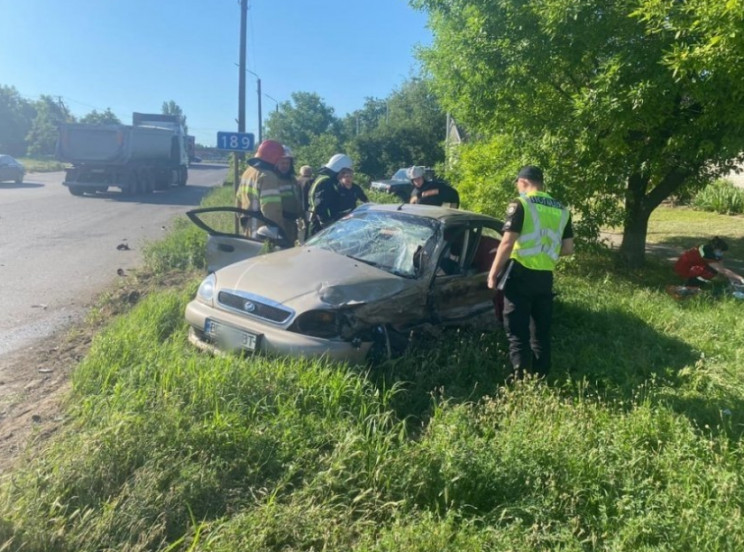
<point>459,289</point>
<point>227,242</point>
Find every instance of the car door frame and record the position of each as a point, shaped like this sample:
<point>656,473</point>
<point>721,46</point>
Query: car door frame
<point>225,248</point>
<point>444,290</point>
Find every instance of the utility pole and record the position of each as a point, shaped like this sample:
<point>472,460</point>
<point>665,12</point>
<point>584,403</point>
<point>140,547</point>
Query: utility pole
<point>238,156</point>
<point>258,88</point>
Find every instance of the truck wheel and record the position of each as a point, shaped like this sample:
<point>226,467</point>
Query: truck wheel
<point>130,187</point>
<point>183,176</point>
<point>76,190</point>
<point>148,182</point>
<point>19,181</point>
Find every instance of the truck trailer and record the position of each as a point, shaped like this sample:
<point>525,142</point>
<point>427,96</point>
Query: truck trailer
<point>151,154</point>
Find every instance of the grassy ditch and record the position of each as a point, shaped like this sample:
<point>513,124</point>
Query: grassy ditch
<point>634,443</point>
<point>33,164</point>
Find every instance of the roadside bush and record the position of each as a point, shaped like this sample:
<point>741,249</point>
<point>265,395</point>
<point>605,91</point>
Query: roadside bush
<point>721,197</point>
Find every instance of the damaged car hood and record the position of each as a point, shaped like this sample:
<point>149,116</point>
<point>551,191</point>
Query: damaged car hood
<point>302,275</point>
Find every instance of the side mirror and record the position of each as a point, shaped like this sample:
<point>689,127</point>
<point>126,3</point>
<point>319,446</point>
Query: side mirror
<point>270,233</point>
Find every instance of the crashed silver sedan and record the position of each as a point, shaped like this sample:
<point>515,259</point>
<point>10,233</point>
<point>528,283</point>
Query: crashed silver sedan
<point>355,291</point>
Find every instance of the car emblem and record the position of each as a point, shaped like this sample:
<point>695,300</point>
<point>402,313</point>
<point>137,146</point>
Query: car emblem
<point>249,306</point>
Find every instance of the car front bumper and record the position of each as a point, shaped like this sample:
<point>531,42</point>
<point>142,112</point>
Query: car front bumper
<point>271,339</point>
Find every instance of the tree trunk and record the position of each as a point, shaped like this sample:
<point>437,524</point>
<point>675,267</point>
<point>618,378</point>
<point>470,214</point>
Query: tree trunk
<point>635,229</point>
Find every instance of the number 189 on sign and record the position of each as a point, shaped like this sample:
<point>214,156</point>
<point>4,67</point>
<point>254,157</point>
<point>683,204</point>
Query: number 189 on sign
<point>235,141</point>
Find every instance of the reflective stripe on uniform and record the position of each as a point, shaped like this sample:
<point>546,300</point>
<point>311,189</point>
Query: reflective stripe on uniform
<point>540,247</point>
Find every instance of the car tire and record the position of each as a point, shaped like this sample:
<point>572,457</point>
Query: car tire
<point>387,344</point>
<point>76,190</point>
<point>19,181</point>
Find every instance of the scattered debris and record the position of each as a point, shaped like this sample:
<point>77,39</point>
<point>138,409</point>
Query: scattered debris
<point>39,306</point>
<point>123,247</point>
<point>36,419</point>
<point>46,370</point>
<point>120,272</point>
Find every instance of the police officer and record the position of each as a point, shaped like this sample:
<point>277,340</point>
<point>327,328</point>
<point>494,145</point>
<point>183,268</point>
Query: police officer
<point>536,232</point>
<point>431,192</point>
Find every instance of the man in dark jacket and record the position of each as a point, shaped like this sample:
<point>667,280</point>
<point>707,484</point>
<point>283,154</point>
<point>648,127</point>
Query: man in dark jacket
<point>333,194</point>
<point>431,192</point>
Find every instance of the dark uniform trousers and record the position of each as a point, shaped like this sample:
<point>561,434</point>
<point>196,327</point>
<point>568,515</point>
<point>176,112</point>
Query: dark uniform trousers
<point>528,311</point>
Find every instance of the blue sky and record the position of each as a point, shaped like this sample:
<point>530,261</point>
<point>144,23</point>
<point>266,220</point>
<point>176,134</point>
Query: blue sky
<point>131,55</point>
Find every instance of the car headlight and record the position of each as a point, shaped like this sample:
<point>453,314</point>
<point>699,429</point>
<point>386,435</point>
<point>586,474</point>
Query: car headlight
<point>206,290</point>
<point>317,323</point>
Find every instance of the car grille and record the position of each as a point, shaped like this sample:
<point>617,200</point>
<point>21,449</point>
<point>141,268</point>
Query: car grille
<point>253,305</point>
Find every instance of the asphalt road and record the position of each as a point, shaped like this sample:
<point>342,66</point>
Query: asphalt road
<point>58,251</point>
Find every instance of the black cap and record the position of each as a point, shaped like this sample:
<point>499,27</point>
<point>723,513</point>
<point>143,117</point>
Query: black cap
<point>531,172</point>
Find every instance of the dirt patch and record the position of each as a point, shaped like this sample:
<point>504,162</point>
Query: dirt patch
<point>35,380</point>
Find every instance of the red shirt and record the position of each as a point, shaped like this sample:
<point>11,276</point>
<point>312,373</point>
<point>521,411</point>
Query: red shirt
<point>695,263</point>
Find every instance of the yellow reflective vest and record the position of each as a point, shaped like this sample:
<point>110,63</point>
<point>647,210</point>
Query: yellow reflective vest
<point>539,244</point>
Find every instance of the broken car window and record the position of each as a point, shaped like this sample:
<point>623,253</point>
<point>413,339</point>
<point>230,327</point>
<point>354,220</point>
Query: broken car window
<point>389,241</point>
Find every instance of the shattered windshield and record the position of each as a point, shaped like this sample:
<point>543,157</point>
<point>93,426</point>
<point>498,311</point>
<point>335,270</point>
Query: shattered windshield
<point>389,241</point>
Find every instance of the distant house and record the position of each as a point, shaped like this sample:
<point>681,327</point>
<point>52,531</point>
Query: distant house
<point>454,136</point>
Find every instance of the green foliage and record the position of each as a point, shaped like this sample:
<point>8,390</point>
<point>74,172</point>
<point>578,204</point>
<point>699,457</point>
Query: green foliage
<point>318,151</point>
<point>720,196</point>
<point>50,113</point>
<point>16,115</point>
<point>407,128</point>
<point>297,122</point>
<point>106,117</point>
<point>619,101</point>
<point>172,108</point>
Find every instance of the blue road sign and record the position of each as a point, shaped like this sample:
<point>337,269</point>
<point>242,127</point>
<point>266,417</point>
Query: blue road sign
<point>235,141</point>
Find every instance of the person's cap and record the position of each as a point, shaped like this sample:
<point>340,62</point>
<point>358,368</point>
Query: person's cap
<point>306,170</point>
<point>531,172</point>
<point>415,172</point>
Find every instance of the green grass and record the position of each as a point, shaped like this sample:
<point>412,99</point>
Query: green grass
<point>41,165</point>
<point>721,197</point>
<point>633,443</point>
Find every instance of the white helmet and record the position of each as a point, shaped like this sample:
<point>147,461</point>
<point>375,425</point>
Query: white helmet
<point>339,162</point>
<point>415,172</point>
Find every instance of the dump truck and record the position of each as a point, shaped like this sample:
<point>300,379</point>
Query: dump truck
<point>150,154</point>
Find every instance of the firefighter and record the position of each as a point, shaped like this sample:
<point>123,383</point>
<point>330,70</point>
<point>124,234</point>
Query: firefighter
<point>431,192</point>
<point>700,265</point>
<point>328,201</point>
<point>536,232</point>
<point>261,190</point>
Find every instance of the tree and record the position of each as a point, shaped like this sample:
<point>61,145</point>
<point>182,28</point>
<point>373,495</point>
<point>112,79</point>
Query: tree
<point>407,128</point>
<point>16,115</point>
<point>172,108</point>
<point>625,102</point>
<point>295,123</point>
<point>50,113</point>
<point>103,118</point>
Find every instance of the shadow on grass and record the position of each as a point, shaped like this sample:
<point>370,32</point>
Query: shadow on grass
<point>608,354</point>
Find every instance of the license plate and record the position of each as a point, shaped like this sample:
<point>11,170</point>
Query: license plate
<point>230,337</point>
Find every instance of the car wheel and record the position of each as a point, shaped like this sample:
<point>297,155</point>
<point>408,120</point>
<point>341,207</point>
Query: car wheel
<point>76,190</point>
<point>387,344</point>
<point>19,181</point>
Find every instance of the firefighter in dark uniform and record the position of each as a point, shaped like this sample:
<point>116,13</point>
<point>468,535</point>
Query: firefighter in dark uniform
<point>333,194</point>
<point>431,192</point>
<point>536,232</point>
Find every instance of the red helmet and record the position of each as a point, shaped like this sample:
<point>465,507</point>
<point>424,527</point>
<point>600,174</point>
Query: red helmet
<point>270,151</point>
